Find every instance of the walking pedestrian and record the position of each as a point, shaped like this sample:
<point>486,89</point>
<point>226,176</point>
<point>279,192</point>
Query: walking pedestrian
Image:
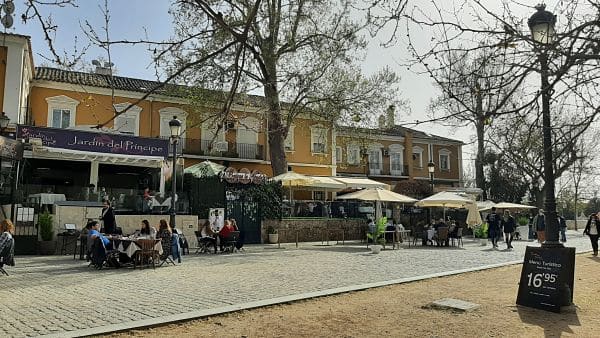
<point>539,222</point>
<point>508,225</point>
<point>562,225</point>
<point>493,221</point>
<point>591,229</point>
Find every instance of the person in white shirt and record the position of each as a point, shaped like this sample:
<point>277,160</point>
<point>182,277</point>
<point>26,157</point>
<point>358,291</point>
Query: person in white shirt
<point>591,229</point>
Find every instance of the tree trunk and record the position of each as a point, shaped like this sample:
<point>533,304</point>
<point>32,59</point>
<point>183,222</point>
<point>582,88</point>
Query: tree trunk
<point>276,131</point>
<point>575,206</point>
<point>479,174</point>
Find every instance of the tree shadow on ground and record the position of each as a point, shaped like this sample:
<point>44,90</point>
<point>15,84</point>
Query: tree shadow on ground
<point>554,324</point>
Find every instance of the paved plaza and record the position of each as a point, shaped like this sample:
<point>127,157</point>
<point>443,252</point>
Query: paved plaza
<point>56,295</point>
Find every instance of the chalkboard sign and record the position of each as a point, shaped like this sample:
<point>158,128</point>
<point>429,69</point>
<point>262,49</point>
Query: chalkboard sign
<point>547,278</point>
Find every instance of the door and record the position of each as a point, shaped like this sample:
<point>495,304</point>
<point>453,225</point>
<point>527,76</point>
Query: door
<point>26,232</point>
<point>247,216</point>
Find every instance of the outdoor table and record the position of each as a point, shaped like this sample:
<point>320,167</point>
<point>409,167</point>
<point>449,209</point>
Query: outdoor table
<point>326,231</point>
<point>129,246</point>
<point>285,231</point>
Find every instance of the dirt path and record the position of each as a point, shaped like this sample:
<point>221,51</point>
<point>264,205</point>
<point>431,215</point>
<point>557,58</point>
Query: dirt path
<point>395,311</point>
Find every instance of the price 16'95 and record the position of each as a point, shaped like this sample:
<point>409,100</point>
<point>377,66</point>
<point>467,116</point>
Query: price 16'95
<point>537,279</point>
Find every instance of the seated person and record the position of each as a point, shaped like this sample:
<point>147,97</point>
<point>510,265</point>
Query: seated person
<point>166,235</point>
<point>453,230</point>
<point>146,230</point>
<point>439,224</point>
<point>208,236</point>
<point>225,232</point>
<point>94,231</point>
<point>6,243</point>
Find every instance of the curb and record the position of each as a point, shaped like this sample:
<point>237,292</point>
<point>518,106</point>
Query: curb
<point>138,324</point>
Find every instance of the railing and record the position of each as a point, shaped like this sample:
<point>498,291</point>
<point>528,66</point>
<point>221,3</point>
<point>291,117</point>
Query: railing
<point>327,209</point>
<point>234,150</point>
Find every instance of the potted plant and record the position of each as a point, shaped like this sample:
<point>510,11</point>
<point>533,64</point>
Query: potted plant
<point>47,245</point>
<point>481,233</point>
<point>273,235</point>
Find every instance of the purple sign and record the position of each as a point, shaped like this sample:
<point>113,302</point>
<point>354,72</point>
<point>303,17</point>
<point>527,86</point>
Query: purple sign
<point>96,142</point>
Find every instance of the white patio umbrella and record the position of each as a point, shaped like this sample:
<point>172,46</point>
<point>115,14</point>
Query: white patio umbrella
<point>446,199</point>
<point>293,179</point>
<point>377,195</point>
<point>473,216</point>
<point>485,205</point>
<point>506,205</point>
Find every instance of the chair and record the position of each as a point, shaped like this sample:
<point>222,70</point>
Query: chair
<point>183,244</point>
<point>230,241</point>
<point>442,236</point>
<point>97,253</point>
<point>146,254</point>
<point>458,238</point>
<point>166,242</point>
<point>204,243</point>
<point>7,256</point>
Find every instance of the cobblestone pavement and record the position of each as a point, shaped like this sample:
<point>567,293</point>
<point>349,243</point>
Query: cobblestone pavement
<point>56,294</point>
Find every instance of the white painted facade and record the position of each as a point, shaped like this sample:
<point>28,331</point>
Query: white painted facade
<point>19,73</point>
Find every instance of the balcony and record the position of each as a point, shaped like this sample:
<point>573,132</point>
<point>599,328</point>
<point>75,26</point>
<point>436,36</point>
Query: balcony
<point>234,150</point>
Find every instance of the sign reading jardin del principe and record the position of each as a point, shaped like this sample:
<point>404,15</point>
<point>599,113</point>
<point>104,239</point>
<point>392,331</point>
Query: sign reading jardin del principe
<point>96,142</point>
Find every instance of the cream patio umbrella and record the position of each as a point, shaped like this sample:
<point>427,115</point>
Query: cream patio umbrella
<point>485,205</point>
<point>473,216</point>
<point>204,169</point>
<point>446,199</point>
<point>292,179</point>
<point>506,205</point>
<point>377,195</point>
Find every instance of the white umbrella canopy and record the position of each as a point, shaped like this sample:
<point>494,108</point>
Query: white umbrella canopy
<point>325,183</point>
<point>446,199</point>
<point>506,205</point>
<point>485,205</point>
<point>293,179</point>
<point>377,195</point>
<point>473,217</point>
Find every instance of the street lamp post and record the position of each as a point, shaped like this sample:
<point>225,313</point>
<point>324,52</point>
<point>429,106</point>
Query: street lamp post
<point>431,169</point>
<point>541,24</point>
<point>175,126</point>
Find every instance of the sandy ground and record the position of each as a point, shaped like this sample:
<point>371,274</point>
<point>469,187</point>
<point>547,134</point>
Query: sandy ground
<point>396,311</point>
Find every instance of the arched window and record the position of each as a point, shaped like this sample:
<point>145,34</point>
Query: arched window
<point>417,153</point>
<point>62,111</point>
<point>129,121</point>
<point>444,159</point>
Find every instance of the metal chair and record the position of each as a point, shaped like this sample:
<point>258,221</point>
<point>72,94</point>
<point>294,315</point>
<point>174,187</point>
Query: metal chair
<point>442,236</point>
<point>230,241</point>
<point>165,242</point>
<point>458,238</point>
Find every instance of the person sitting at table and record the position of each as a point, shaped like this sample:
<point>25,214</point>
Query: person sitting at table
<point>439,224</point>
<point>207,236</point>
<point>146,230</point>
<point>167,237</point>
<point>224,233</point>
<point>94,231</point>
<point>147,203</point>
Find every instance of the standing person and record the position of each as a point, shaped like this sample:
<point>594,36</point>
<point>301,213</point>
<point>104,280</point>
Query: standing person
<point>508,225</point>
<point>539,222</point>
<point>531,234</point>
<point>591,229</point>
<point>108,218</point>
<point>562,225</point>
<point>493,221</point>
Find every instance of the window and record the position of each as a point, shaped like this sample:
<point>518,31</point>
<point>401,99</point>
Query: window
<point>444,160</point>
<point>318,139</point>
<point>375,160</point>
<point>210,134</point>
<point>353,154</point>
<point>247,138</point>
<point>418,157</point>
<point>61,111</point>
<point>61,118</point>
<point>289,140</point>
<point>338,154</point>
<point>166,115</point>
<point>128,122</point>
<point>397,160</point>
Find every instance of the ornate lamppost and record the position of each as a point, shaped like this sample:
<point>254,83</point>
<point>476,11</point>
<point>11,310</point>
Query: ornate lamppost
<point>175,126</point>
<point>431,169</point>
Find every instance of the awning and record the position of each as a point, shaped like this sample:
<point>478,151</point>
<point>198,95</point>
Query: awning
<point>361,183</point>
<point>43,152</point>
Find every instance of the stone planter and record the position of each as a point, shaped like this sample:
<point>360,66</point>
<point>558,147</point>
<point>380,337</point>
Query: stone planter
<point>46,247</point>
<point>375,248</point>
<point>483,241</point>
<point>273,238</point>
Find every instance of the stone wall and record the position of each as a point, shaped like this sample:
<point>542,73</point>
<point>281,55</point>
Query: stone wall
<point>312,230</point>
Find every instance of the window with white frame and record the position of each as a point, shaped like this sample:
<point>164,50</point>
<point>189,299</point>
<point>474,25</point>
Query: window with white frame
<point>338,154</point>
<point>129,121</point>
<point>417,157</point>
<point>444,160</point>
<point>375,159</point>
<point>396,160</point>
<point>210,135</point>
<point>289,139</point>
<point>318,139</point>
<point>353,154</point>
<point>61,111</point>
<point>166,115</point>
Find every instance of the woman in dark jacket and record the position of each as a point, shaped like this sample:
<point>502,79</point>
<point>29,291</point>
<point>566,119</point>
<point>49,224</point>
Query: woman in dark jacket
<point>592,229</point>
<point>108,218</point>
<point>508,224</point>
